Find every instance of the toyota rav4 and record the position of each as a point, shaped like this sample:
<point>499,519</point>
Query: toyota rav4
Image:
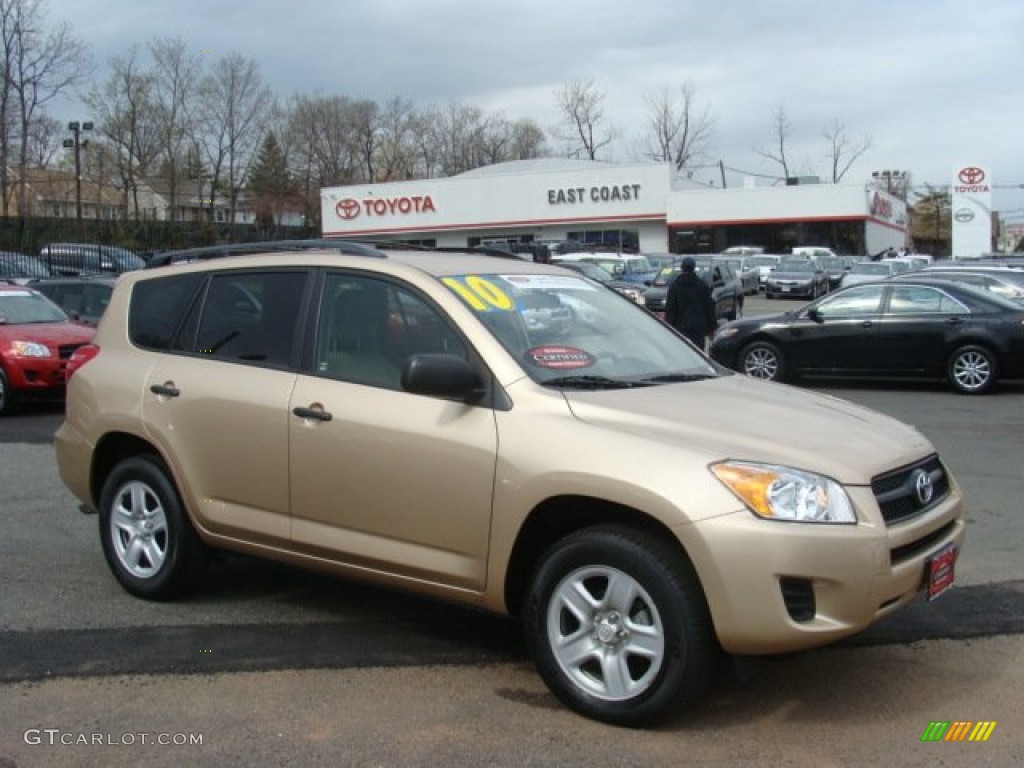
<point>503,434</point>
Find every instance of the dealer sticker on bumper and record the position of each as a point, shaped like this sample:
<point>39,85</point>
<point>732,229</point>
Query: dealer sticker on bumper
<point>939,571</point>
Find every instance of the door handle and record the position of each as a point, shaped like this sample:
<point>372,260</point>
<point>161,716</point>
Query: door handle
<point>166,389</point>
<point>866,324</point>
<point>314,413</point>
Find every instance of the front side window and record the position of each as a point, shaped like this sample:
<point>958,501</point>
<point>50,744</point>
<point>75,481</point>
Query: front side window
<point>368,328</point>
<point>853,302</point>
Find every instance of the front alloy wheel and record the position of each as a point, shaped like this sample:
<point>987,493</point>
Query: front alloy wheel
<point>761,360</point>
<point>617,625</point>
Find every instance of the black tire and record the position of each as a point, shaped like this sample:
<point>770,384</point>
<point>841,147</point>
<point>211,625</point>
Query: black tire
<point>972,370</point>
<point>733,313</point>
<point>148,540</point>
<point>762,360</point>
<point>6,395</point>
<point>646,622</point>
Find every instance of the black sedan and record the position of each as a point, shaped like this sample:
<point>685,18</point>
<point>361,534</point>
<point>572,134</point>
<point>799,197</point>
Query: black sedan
<point>925,329</point>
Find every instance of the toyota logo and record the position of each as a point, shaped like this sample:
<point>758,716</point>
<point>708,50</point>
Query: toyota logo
<point>963,215</point>
<point>923,487</point>
<point>971,175</point>
<point>347,209</point>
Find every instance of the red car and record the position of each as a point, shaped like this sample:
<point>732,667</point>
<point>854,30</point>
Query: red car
<point>36,341</point>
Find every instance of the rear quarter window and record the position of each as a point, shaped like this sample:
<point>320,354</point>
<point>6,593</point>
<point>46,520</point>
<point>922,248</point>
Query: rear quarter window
<point>158,308</point>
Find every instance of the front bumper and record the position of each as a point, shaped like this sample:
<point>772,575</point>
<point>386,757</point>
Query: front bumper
<point>778,587</point>
<point>42,378</point>
<point>802,290</point>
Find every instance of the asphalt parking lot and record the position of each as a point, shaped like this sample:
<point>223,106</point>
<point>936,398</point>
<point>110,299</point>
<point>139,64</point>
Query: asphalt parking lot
<point>270,666</point>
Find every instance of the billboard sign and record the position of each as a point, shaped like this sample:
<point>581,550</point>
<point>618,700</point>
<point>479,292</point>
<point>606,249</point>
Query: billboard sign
<point>972,212</point>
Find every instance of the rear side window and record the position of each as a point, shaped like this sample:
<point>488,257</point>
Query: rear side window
<point>158,307</point>
<point>252,317</point>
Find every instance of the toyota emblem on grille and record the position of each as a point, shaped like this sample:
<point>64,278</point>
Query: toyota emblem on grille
<point>923,487</point>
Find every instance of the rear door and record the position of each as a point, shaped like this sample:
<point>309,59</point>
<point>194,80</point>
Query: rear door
<point>217,403</point>
<point>917,328</point>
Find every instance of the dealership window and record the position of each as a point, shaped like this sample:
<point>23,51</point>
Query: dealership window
<point>623,239</point>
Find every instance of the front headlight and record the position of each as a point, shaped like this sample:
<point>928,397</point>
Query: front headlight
<point>30,349</point>
<point>781,493</point>
<point>726,332</point>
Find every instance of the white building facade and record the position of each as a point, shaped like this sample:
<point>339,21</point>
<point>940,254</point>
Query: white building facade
<point>641,207</point>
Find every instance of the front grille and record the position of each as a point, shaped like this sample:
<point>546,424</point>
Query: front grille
<point>898,493</point>
<point>655,305</point>
<point>65,351</point>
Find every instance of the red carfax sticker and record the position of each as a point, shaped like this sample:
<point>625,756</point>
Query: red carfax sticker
<point>551,356</point>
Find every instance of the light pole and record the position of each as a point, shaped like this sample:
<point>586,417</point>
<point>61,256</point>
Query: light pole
<point>78,143</point>
<point>895,182</point>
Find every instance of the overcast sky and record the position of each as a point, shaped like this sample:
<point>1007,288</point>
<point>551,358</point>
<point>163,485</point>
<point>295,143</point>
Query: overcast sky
<point>935,85</point>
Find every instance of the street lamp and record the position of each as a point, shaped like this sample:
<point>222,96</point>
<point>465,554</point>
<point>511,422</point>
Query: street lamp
<point>78,144</point>
<point>895,181</point>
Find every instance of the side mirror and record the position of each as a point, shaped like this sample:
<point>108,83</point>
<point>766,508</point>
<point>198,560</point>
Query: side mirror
<point>815,314</point>
<point>444,376</point>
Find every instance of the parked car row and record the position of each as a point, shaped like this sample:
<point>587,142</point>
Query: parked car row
<point>69,259</point>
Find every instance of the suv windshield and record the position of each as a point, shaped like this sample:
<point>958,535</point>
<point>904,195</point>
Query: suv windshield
<point>567,331</point>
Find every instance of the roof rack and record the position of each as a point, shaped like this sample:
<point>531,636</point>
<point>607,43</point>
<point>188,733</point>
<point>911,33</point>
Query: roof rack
<point>270,246</point>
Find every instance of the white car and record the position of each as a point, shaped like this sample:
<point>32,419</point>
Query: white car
<point>866,271</point>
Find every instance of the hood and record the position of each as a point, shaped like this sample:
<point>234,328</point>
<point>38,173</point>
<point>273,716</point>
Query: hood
<point>735,417</point>
<point>51,334</point>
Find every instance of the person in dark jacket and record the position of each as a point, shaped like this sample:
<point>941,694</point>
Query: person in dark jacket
<point>689,307</point>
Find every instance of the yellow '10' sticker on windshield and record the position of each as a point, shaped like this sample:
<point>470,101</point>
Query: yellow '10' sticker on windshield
<point>480,293</point>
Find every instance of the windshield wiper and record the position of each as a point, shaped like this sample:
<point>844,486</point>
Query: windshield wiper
<point>591,382</point>
<point>668,378</point>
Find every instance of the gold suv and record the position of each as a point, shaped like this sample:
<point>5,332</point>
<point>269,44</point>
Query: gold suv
<point>500,433</point>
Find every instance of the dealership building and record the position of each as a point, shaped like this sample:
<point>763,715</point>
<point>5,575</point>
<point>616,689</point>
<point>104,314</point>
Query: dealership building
<point>646,207</point>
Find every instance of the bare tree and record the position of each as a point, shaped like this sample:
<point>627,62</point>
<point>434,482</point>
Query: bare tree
<point>843,150</point>
<point>582,107</point>
<point>39,64</point>
<point>782,130</point>
<point>396,148</point>
<point>125,118</point>
<point>364,116</point>
<point>527,140</point>
<point>936,205</point>
<point>457,134</point>
<point>235,102</point>
<point>44,140</point>
<point>678,134</point>
<point>175,86</point>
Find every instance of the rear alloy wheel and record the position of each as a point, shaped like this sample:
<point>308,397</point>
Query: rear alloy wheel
<point>617,625</point>
<point>148,540</point>
<point>972,370</point>
<point>762,360</point>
